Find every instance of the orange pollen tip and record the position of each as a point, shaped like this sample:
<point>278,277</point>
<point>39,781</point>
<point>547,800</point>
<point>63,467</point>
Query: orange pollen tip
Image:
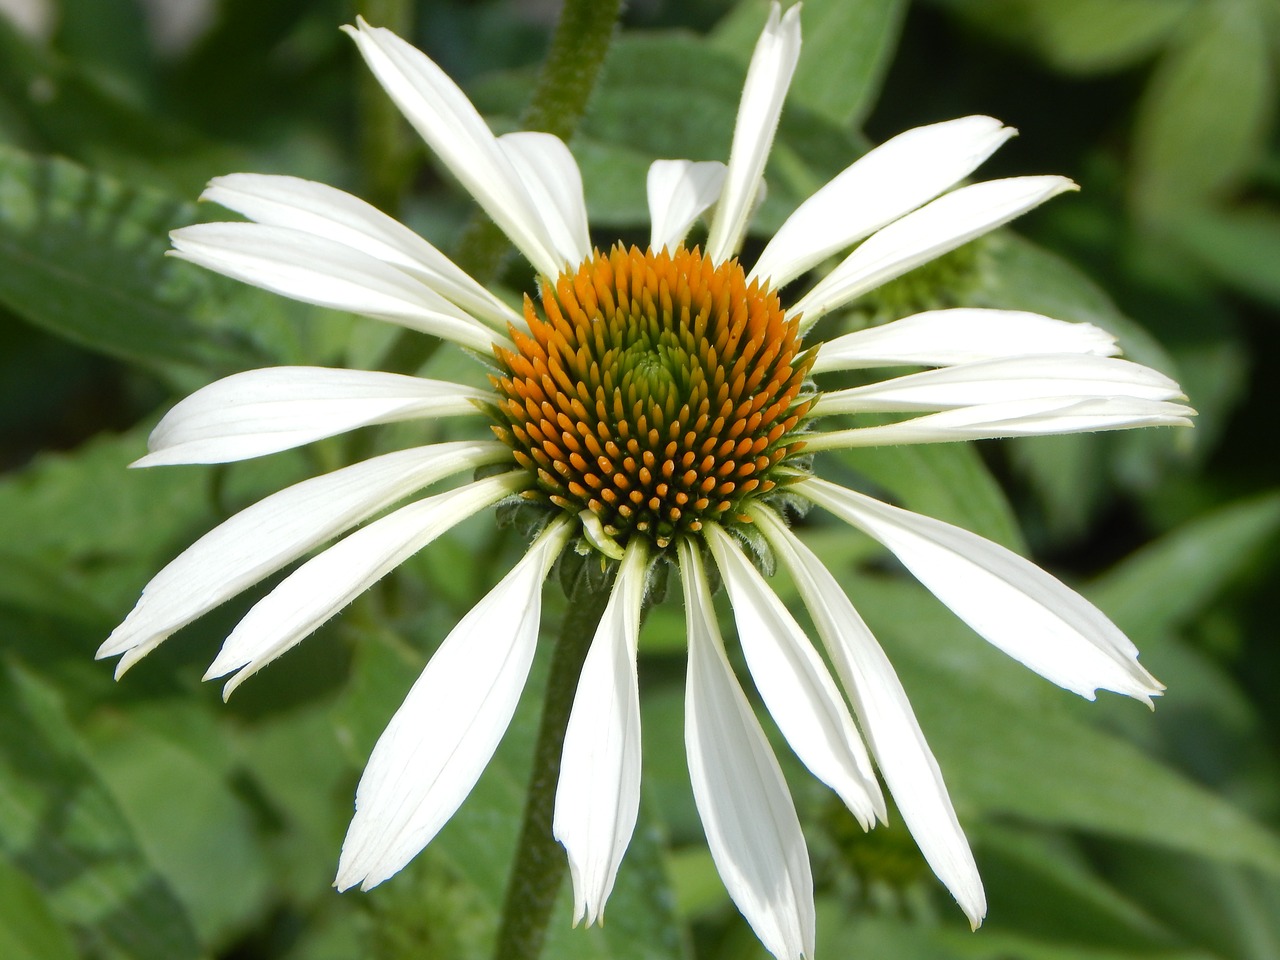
<point>646,382</point>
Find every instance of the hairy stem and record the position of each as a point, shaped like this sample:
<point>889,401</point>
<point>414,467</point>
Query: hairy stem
<point>540,863</point>
<point>569,75</point>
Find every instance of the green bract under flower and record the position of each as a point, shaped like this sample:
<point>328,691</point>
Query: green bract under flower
<point>656,391</point>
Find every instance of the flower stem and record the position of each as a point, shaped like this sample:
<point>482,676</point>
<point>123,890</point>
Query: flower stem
<point>569,75</point>
<point>540,863</point>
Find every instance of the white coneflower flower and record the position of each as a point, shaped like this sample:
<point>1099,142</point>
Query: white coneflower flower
<point>656,406</point>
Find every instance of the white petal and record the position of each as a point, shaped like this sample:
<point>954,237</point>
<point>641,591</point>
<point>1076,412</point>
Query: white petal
<point>886,717</point>
<point>444,734</point>
<point>1024,418</point>
<point>942,338</point>
<point>333,214</point>
<point>261,539</point>
<point>551,176</point>
<point>446,120</point>
<point>1011,602</point>
<point>937,228</point>
<point>264,411</point>
<point>326,583</point>
<point>795,685</point>
<point>315,270</point>
<point>1005,380</point>
<point>679,192</point>
<point>888,182</point>
<point>768,77</point>
<point>598,795</point>
<point>751,825</point>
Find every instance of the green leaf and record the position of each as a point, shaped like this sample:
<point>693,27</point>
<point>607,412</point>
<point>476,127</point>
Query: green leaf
<point>168,766</point>
<point>28,928</point>
<point>1012,746</point>
<point>1083,36</point>
<point>948,481</point>
<point>1169,581</point>
<point>1041,885</point>
<point>675,95</point>
<point>1226,910</point>
<point>1240,247</point>
<point>848,45</point>
<point>83,256</point>
<point>1072,475</point>
<point>1203,118</point>
<point>60,826</point>
<point>1024,276</point>
<point>85,521</point>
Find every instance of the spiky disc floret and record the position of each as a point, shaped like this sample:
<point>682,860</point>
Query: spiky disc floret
<point>657,391</point>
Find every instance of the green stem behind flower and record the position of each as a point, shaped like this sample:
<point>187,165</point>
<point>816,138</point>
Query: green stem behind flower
<point>540,864</point>
<point>568,77</point>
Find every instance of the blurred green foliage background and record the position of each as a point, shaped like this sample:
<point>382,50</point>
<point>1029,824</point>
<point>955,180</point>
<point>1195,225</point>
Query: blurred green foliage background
<point>148,820</point>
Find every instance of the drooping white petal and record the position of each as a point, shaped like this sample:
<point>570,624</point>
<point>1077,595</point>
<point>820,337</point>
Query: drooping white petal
<point>316,270</point>
<point>444,734</point>
<point>274,532</point>
<point>336,215</point>
<point>326,583</point>
<point>751,825</point>
<point>1011,602</point>
<point>1005,380</point>
<point>264,411</point>
<point>888,182</point>
<point>795,685</point>
<point>598,795</point>
<point>1024,418</point>
<point>886,717</point>
<point>938,227</point>
<point>551,176</point>
<point>679,192</point>
<point>768,77</point>
<point>451,126</point>
<point>943,338</point>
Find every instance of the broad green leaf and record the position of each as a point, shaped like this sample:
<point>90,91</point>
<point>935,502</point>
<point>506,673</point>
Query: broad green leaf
<point>1228,911</point>
<point>1241,249</point>
<point>28,928</point>
<point>168,765</point>
<point>1204,116</point>
<point>83,256</point>
<point>1006,747</point>
<point>1073,475</point>
<point>1083,36</point>
<point>1024,276</point>
<point>848,45</point>
<point>613,178</point>
<point>86,520</point>
<point>668,95</point>
<point>1172,579</point>
<point>948,481</point>
<point>1040,885</point>
<point>920,939</point>
<point>60,825</point>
